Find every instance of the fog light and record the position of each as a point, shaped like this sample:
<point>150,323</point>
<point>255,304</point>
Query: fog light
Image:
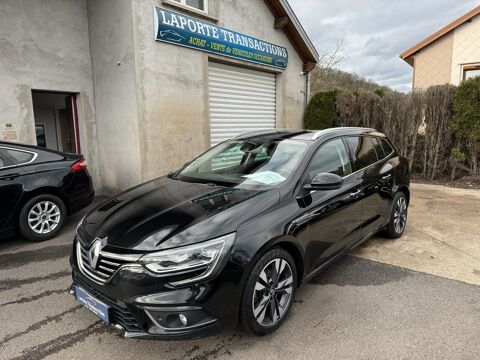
<point>183,319</point>
<point>172,320</point>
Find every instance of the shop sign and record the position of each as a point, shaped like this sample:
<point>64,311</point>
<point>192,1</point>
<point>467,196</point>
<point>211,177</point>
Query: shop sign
<point>187,31</point>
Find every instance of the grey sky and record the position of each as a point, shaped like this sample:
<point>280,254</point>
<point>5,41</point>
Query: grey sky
<point>376,32</point>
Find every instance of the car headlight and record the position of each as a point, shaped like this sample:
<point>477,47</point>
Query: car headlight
<point>207,256</point>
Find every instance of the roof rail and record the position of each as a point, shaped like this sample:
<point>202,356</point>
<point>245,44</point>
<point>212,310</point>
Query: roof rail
<point>319,133</point>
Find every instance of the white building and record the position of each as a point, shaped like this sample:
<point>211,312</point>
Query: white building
<point>448,56</point>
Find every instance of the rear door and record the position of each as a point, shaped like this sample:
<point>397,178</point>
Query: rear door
<point>368,161</point>
<point>12,183</point>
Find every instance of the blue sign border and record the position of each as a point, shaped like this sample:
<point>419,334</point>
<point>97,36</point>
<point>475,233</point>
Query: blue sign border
<point>187,31</point>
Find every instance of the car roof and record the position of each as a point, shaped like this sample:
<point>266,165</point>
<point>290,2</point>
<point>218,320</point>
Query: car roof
<point>35,148</point>
<point>307,135</point>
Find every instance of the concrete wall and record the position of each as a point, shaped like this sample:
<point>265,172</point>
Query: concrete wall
<point>433,63</point>
<point>113,62</point>
<point>44,45</point>
<point>466,48</point>
<point>143,105</point>
<point>172,84</point>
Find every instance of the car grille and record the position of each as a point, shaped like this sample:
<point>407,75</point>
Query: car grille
<point>119,313</point>
<point>99,265</point>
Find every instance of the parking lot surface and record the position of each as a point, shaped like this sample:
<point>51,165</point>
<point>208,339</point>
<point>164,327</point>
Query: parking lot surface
<point>442,237</point>
<point>358,308</point>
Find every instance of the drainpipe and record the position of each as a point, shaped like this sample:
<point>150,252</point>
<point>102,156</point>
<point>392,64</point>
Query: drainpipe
<point>307,77</point>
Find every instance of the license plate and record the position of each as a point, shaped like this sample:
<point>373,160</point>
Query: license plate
<point>91,303</point>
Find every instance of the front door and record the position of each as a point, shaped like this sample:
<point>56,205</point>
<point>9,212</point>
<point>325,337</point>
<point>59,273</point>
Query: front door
<point>334,216</point>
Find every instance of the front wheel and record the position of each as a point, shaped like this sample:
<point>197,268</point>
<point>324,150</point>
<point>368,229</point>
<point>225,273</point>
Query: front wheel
<point>42,217</point>
<point>269,292</point>
<point>398,216</point>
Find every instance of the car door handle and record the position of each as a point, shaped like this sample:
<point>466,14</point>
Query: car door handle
<point>356,194</point>
<point>9,176</point>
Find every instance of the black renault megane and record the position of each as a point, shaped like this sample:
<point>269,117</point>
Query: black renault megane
<point>230,236</point>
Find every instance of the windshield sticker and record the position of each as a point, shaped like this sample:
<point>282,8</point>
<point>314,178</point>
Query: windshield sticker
<point>266,177</point>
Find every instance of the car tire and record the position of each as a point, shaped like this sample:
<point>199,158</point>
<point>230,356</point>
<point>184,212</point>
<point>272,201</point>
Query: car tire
<point>267,300</point>
<point>398,216</point>
<point>42,218</point>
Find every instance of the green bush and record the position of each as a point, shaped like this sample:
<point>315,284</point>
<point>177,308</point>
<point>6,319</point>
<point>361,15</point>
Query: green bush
<point>380,92</point>
<point>321,111</point>
<point>466,107</point>
<point>458,155</point>
<point>466,120</point>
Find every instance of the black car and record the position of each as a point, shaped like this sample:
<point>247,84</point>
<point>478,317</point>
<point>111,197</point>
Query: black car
<point>39,188</point>
<point>230,236</point>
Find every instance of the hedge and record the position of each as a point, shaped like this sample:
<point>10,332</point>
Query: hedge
<point>438,129</point>
<point>321,111</point>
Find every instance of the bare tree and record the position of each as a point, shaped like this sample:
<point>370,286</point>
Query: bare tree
<point>327,76</point>
<point>328,59</point>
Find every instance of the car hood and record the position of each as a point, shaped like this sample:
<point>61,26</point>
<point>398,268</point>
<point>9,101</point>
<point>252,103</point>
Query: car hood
<point>166,213</point>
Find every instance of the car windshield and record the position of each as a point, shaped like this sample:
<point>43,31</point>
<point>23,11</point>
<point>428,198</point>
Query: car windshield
<point>249,163</point>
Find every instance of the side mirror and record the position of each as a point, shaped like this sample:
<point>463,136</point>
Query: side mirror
<point>324,181</point>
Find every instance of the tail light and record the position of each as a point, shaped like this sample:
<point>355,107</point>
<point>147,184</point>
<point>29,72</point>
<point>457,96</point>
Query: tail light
<point>80,165</point>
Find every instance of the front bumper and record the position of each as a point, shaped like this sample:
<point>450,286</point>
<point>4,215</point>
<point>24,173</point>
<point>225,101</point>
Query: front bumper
<point>144,306</point>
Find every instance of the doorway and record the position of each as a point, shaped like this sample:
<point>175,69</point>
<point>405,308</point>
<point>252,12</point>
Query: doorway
<point>56,120</point>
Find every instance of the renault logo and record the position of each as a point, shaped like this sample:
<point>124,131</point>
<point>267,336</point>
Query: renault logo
<point>94,252</point>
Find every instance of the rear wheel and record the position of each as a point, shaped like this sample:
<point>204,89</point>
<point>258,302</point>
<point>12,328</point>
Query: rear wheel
<point>269,292</point>
<point>398,216</point>
<point>42,217</point>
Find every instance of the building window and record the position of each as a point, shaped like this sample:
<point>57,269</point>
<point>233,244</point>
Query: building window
<point>470,72</point>
<point>201,5</point>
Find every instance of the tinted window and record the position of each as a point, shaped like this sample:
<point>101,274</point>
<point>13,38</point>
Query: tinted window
<point>386,146</point>
<point>378,148</point>
<point>9,157</point>
<point>363,150</point>
<point>331,158</point>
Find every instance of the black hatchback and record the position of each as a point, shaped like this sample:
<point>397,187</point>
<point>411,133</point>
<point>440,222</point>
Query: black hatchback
<point>230,236</point>
<point>39,188</point>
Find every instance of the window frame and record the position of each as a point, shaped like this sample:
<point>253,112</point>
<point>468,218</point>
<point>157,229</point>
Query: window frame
<point>378,147</point>
<point>380,139</point>
<point>468,68</point>
<point>305,176</point>
<point>184,4</point>
<point>352,158</point>
<point>35,155</point>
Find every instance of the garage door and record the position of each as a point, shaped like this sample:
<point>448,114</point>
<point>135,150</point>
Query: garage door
<point>240,100</point>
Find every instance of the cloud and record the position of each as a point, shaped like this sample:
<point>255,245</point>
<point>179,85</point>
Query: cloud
<point>376,32</point>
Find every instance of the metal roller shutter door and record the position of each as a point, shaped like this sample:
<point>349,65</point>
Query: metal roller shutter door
<point>240,100</point>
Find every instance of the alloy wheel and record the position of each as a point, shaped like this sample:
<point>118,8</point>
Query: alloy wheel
<point>44,217</point>
<point>400,215</point>
<point>273,292</point>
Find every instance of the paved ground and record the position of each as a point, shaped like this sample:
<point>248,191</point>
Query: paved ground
<point>359,308</point>
<point>442,237</point>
